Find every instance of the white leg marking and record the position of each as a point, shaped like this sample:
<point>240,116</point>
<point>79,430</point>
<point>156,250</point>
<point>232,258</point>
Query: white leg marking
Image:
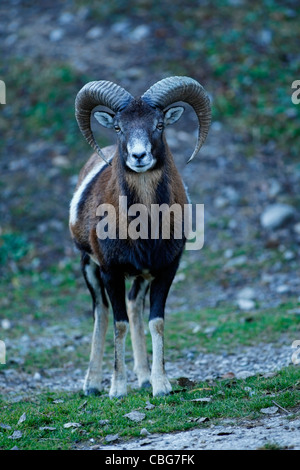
<point>93,378</point>
<point>79,191</point>
<point>135,314</point>
<point>119,380</point>
<point>159,380</point>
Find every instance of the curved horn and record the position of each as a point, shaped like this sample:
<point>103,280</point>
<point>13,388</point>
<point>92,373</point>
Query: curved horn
<point>172,89</point>
<point>93,94</point>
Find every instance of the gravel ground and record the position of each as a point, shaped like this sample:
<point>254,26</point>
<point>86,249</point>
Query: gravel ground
<point>243,435</point>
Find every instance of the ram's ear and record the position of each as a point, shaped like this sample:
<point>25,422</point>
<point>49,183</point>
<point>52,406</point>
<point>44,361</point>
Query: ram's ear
<point>173,114</point>
<point>105,119</point>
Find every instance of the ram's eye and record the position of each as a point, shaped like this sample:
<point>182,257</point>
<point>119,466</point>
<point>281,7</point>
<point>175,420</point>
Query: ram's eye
<point>117,128</point>
<point>160,126</point>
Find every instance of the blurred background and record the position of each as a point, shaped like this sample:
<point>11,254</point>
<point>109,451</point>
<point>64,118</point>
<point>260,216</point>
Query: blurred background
<point>246,54</point>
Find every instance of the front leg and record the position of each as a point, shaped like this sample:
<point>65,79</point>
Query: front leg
<point>115,286</point>
<point>158,295</point>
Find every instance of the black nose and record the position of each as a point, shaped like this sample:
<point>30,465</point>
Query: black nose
<point>139,156</point>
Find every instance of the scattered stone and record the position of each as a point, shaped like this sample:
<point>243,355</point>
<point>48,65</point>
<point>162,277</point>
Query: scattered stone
<point>47,428</point>
<point>66,18</point>
<point>201,400</point>
<point>94,33</point>
<point>16,435</point>
<point>236,261</point>
<point>276,216</point>
<point>56,35</point>
<point>5,426</point>
<point>297,228</point>
<point>72,425</point>
<point>283,289</point>
<point>139,33</point>
<point>294,311</point>
<point>103,422</point>
<point>37,376</point>
<point>289,255</point>
<point>144,432</point>
<point>246,304</point>
<point>271,410</point>
<point>149,406</point>
<point>112,437</point>
<point>22,418</point>
<point>61,161</point>
<point>5,324</point>
<point>247,293</point>
<point>136,416</point>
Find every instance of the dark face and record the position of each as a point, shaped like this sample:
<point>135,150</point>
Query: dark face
<point>140,129</point>
<point>140,133</point>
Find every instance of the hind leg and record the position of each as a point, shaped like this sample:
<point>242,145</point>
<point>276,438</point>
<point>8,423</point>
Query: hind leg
<point>91,273</point>
<point>135,307</point>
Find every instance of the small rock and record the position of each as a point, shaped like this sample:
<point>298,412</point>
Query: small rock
<point>274,188</point>
<point>22,418</point>
<point>179,277</point>
<point>94,33</point>
<point>56,35</point>
<point>289,255</point>
<point>247,293</point>
<point>61,161</point>
<point>149,406</point>
<point>5,324</point>
<point>66,18</point>
<point>220,202</point>
<point>37,376</point>
<point>297,228</point>
<point>282,289</point>
<point>201,400</point>
<point>265,37</point>
<point>139,33</point>
<point>136,416</point>
<point>16,435</point>
<point>276,215</point>
<point>112,437</point>
<point>72,425</point>
<point>47,428</point>
<point>144,432</point>
<point>5,426</point>
<point>246,304</point>
<point>103,422</point>
<point>236,261</point>
<point>271,410</point>
<point>228,253</point>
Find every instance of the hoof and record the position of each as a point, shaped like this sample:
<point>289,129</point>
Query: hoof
<point>146,384</point>
<point>92,392</point>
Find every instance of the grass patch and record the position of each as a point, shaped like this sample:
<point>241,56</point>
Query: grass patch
<point>97,417</point>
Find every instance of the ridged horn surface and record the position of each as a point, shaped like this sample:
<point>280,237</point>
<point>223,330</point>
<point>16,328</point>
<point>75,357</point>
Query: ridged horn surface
<point>93,94</point>
<point>170,90</point>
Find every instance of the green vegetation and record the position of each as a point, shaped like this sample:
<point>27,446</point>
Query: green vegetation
<point>48,416</point>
